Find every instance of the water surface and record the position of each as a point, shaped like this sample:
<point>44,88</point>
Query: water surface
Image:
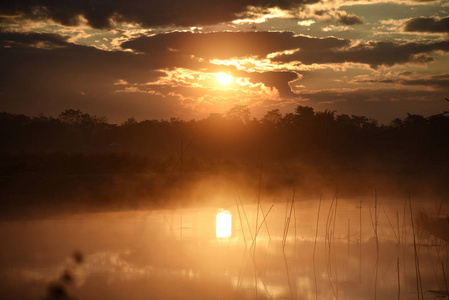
<point>211,253</point>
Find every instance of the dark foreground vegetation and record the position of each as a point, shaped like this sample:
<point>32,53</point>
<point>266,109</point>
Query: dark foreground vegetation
<point>77,160</point>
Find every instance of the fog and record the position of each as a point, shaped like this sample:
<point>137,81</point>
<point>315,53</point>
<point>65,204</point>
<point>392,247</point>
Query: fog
<point>176,253</point>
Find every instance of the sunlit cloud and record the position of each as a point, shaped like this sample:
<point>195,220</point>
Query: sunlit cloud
<point>336,28</point>
<point>260,15</point>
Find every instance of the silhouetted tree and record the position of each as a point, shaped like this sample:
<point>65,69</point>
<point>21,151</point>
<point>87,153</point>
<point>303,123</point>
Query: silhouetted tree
<point>130,122</point>
<point>76,117</point>
<point>272,117</point>
<point>305,111</point>
<point>412,118</point>
<point>239,113</point>
<point>396,123</point>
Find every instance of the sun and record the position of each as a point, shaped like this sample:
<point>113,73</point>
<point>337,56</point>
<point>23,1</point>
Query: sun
<point>224,78</point>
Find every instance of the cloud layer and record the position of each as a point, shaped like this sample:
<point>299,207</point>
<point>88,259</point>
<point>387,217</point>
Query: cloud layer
<point>99,13</point>
<point>134,58</point>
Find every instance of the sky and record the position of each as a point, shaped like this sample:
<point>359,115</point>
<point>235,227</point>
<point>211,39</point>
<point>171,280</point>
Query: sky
<point>154,59</point>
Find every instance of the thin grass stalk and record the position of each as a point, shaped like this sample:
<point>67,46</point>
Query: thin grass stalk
<point>377,242</point>
<point>349,233</point>
<point>399,279</point>
<point>244,240</point>
<point>255,235</point>
<point>333,241</point>
<point>360,241</point>
<point>252,258</point>
<point>287,225</point>
<point>168,224</point>
<point>314,247</point>
<point>285,219</point>
<point>240,220</point>
<point>259,228</point>
<point>180,247</point>
<point>399,251</point>
<point>249,228</point>
<point>246,218</point>
<point>439,209</point>
<point>391,225</point>
<point>330,244</point>
<point>288,275</point>
<point>415,251</point>
<point>295,256</point>
<point>404,242</point>
<point>444,277</point>
<point>399,235</point>
<point>371,218</point>
<point>266,225</point>
<point>252,243</point>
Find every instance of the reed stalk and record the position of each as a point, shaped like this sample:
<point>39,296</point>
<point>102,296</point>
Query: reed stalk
<point>330,244</point>
<point>257,224</point>
<point>444,276</point>
<point>287,222</point>
<point>360,241</point>
<point>314,247</point>
<point>256,271</point>
<point>415,251</point>
<point>399,251</point>
<point>244,240</point>
<point>287,225</point>
<point>333,242</point>
<point>377,242</point>
<point>349,233</point>
<point>391,225</point>
<point>399,279</point>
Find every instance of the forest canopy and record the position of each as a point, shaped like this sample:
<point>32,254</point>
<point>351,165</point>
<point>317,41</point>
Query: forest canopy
<point>234,134</point>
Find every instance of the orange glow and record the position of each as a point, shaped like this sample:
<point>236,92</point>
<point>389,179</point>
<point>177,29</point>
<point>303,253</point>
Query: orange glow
<point>224,78</point>
<point>224,224</point>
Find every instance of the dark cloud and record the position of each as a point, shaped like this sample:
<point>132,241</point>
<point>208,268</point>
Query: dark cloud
<point>278,80</point>
<point>47,40</point>
<point>223,45</point>
<point>374,54</point>
<point>381,104</point>
<point>349,19</point>
<point>428,25</point>
<point>438,81</point>
<point>51,79</point>
<point>148,13</point>
<point>35,79</point>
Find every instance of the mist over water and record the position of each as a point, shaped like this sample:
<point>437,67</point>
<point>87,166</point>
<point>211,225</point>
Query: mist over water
<point>182,254</point>
<point>226,207</point>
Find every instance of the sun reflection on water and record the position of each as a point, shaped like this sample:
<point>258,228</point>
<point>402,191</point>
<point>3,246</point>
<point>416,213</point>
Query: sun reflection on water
<point>223,224</point>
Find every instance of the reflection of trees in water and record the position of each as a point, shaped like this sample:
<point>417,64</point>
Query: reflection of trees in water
<point>432,227</point>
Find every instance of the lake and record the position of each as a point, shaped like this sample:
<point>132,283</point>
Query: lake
<point>211,252</point>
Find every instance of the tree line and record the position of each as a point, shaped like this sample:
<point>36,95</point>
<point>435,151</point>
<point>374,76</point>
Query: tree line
<point>78,161</point>
<point>302,135</point>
